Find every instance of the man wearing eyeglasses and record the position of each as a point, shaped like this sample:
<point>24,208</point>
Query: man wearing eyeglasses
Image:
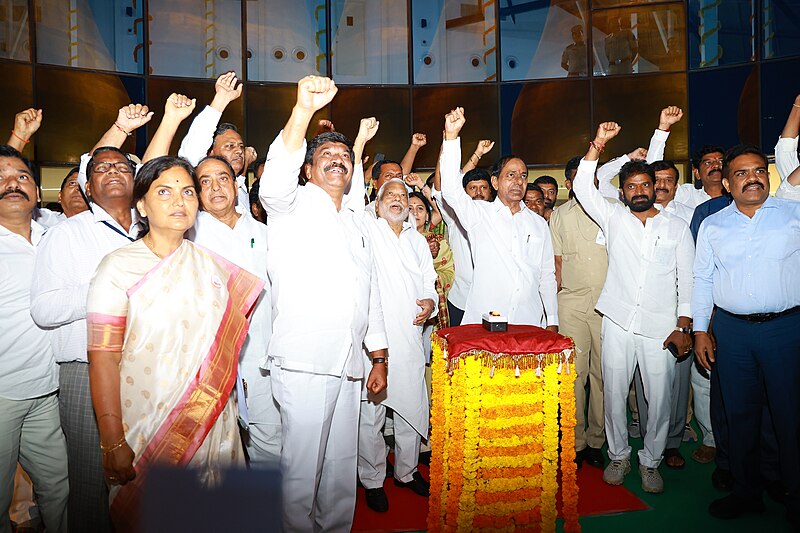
<point>706,167</point>
<point>747,265</point>
<point>67,259</point>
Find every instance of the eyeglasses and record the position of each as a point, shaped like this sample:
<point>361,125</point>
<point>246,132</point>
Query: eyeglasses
<point>122,166</point>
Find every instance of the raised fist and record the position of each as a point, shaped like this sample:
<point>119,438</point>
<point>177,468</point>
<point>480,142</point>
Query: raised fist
<point>367,129</point>
<point>640,154</point>
<point>669,116</point>
<point>133,116</point>
<point>419,140</point>
<point>453,122</point>
<point>315,92</point>
<point>607,131</point>
<point>484,147</point>
<point>179,106</point>
<point>27,122</point>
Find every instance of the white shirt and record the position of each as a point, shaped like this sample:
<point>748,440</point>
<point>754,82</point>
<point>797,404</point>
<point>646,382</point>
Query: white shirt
<point>47,218</point>
<point>325,299</point>
<point>27,367</point>
<point>199,139</point>
<point>65,264</point>
<point>244,245</point>
<point>649,281</point>
<point>405,275</point>
<point>462,254</point>
<point>690,196</point>
<point>681,211</point>
<point>606,173</point>
<point>786,160</point>
<point>513,254</point>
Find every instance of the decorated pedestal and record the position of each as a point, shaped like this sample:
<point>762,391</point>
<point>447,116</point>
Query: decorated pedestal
<point>495,463</point>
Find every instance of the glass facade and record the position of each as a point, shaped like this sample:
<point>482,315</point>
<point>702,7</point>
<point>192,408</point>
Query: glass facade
<point>536,77</point>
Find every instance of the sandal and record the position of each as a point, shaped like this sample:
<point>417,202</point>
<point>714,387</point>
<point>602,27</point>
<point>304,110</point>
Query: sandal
<point>673,458</point>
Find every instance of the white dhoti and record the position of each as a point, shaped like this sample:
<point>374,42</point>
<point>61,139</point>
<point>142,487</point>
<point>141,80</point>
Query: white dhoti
<point>622,352</point>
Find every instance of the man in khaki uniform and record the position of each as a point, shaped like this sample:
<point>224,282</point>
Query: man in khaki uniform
<point>581,265</point>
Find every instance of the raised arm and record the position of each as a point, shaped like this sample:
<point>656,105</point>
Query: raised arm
<point>278,186</point>
<point>464,207</point>
<point>200,136</point>
<point>593,202</point>
<point>176,110</point>
<point>129,118</point>
<point>414,180</point>
<point>418,140</point>
<point>26,124</point>
<point>670,116</point>
<point>354,198</point>
<point>786,150</point>
<point>484,146</point>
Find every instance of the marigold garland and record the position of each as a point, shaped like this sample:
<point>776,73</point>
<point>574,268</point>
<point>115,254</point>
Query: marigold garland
<point>495,441</point>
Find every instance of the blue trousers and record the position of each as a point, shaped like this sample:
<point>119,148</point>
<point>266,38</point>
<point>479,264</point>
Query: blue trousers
<point>758,363</point>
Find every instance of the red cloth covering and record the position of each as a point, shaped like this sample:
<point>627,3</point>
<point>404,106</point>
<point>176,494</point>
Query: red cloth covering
<point>518,340</point>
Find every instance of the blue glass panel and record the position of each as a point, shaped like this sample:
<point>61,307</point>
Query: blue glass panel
<point>721,32</point>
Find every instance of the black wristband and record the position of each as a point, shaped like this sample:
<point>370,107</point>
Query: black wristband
<point>376,360</point>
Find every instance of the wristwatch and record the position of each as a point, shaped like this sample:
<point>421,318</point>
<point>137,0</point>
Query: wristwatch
<point>687,331</point>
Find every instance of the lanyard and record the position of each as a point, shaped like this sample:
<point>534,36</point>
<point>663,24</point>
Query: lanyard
<point>118,231</point>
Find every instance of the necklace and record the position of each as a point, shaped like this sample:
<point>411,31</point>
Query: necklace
<point>149,244</point>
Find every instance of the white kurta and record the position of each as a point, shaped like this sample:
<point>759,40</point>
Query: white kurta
<point>405,275</point>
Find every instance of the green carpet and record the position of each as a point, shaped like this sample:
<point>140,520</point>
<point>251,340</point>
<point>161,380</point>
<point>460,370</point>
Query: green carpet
<point>683,507</point>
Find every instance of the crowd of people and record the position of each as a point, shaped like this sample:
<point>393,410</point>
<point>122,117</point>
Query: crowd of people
<point>172,315</point>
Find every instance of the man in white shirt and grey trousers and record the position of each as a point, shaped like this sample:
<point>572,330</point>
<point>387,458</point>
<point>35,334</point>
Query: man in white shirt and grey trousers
<point>646,305</point>
<point>325,305</point>
<point>511,246</point>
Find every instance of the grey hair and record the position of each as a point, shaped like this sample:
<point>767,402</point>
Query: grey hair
<point>395,180</point>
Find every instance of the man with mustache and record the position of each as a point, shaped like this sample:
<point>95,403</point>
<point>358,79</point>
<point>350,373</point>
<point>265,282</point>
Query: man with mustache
<point>747,265</point>
<point>207,136</point>
<point>511,247</point>
<point>227,229</point>
<point>406,279</point>
<point>666,184</point>
<point>326,304</point>
<point>65,265</point>
<point>549,187</point>
<point>30,429</point>
<point>645,305</point>
<point>706,168</point>
<point>534,199</point>
<point>70,196</point>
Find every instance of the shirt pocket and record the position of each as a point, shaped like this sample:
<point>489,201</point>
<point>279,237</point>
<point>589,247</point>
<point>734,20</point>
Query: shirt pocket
<point>664,251</point>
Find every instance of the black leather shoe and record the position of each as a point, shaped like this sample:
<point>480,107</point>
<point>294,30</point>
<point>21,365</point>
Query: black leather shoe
<point>579,457</point>
<point>733,506</point>
<point>389,469</point>
<point>377,501</point>
<point>594,457</point>
<point>425,458</point>
<point>417,484</point>
<point>722,480</point>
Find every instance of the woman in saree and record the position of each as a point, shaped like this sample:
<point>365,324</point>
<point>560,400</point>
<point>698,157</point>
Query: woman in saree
<point>166,322</point>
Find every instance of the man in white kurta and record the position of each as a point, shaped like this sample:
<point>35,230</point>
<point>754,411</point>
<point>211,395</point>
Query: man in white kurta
<point>511,248</point>
<point>325,304</point>
<point>646,305</point>
<point>226,229</point>
<point>407,279</point>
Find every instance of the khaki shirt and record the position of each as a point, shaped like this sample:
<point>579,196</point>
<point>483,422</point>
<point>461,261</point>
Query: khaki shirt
<point>584,259</point>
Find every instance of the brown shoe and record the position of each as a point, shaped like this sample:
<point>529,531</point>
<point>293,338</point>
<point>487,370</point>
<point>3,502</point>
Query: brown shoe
<point>704,454</point>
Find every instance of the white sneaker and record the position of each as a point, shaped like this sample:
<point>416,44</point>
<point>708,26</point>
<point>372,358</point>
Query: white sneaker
<point>651,480</point>
<point>614,473</point>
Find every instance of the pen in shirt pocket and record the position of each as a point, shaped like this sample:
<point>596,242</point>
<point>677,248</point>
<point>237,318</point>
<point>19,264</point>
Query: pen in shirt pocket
<point>252,243</point>
<point>529,238</point>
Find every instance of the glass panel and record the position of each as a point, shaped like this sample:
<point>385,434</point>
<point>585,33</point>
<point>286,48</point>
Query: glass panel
<point>286,39</point>
<point>96,34</point>
<point>195,38</point>
<point>454,40</point>
<point>779,87</point>
<point>158,90</point>
<point>543,40</point>
<point>639,39</point>
<point>781,28</point>
<point>721,32</point>
<point>562,105</point>
<point>370,41</point>
<point>597,4</point>
<point>268,109</point>
<point>612,99</point>
<point>725,117</point>
<point>431,104</point>
<point>94,100</point>
<point>14,39</point>
<point>391,107</point>
<point>16,86</point>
